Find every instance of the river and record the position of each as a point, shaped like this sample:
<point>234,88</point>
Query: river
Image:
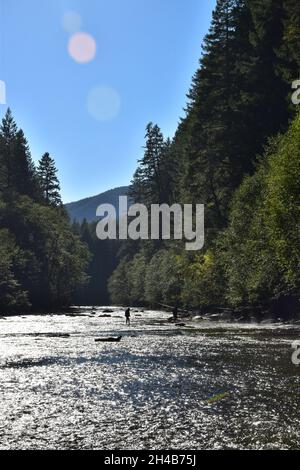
<point>205,385</point>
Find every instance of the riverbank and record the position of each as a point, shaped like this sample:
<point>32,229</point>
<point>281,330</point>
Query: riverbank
<point>223,314</point>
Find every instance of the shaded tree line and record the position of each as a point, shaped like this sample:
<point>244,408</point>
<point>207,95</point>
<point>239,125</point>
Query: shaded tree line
<point>103,261</point>
<point>42,262</point>
<point>237,150</point>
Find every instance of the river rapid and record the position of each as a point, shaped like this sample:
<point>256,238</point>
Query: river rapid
<point>205,385</point>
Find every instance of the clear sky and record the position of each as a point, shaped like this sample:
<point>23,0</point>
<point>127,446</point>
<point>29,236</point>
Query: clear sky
<point>86,98</point>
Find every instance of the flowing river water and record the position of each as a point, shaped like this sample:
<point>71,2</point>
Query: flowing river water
<point>205,385</point>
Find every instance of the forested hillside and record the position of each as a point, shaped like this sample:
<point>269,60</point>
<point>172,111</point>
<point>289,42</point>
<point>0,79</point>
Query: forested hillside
<point>237,150</point>
<point>85,209</point>
<point>42,262</point>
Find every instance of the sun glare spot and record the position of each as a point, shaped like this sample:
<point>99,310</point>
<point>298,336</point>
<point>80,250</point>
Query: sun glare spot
<point>103,103</point>
<point>71,22</point>
<point>82,47</point>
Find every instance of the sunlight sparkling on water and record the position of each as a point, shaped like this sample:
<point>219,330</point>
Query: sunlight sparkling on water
<point>152,389</point>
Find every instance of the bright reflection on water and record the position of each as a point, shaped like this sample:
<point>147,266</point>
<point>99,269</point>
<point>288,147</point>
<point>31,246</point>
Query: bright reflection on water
<point>151,390</point>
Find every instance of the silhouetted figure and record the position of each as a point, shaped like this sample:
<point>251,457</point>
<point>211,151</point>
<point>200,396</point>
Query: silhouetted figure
<point>127,316</point>
<point>175,313</point>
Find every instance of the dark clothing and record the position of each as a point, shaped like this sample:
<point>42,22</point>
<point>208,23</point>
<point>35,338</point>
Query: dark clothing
<point>127,316</point>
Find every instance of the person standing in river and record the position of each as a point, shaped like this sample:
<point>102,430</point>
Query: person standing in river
<point>127,316</point>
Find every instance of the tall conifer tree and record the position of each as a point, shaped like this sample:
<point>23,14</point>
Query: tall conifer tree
<point>49,181</point>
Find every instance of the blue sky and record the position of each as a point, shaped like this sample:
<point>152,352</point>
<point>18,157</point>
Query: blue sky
<point>91,116</point>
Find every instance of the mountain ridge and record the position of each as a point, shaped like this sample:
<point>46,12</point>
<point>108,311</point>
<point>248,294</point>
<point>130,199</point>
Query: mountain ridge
<point>86,208</point>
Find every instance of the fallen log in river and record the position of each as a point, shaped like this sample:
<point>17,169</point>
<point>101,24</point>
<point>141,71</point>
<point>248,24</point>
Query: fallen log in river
<point>109,339</point>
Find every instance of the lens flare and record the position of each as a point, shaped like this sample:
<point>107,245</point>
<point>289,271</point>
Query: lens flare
<point>103,103</point>
<point>71,22</point>
<point>2,92</point>
<point>82,47</point>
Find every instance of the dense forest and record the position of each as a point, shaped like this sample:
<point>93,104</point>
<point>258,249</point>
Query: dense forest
<point>42,262</point>
<point>103,261</point>
<point>237,150</point>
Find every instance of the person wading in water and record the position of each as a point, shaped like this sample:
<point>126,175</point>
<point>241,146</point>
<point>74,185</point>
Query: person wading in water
<point>127,316</point>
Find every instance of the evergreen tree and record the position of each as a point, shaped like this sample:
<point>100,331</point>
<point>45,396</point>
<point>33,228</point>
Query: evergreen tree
<point>147,184</point>
<point>49,181</point>
<point>8,134</point>
<point>210,176</point>
<point>25,173</point>
<point>17,170</point>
